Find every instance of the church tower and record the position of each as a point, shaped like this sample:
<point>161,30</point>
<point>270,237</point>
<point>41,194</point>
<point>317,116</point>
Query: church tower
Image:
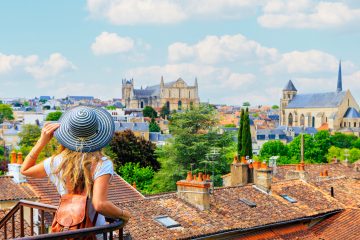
<point>127,91</point>
<point>289,93</point>
<point>339,82</point>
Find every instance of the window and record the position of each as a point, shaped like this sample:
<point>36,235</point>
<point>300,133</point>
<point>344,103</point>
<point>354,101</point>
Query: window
<point>289,199</point>
<point>290,119</point>
<point>271,136</point>
<point>344,124</point>
<point>354,124</point>
<point>248,202</point>
<point>167,222</point>
<point>302,120</point>
<point>179,105</point>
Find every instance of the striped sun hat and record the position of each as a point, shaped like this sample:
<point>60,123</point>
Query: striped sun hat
<point>85,129</point>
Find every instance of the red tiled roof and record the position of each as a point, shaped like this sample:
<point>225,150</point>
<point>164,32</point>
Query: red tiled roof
<point>226,211</point>
<point>13,191</point>
<point>119,190</point>
<point>334,170</point>
<point>344,225</point>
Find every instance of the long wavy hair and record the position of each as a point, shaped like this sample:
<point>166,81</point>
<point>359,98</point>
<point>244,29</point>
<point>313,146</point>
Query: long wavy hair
<point>76,169</point>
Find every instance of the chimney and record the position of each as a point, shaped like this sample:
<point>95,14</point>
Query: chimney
<point>263,178</point>
<point>195,190</point>
<point>239,172</point>
<point>14,168</point>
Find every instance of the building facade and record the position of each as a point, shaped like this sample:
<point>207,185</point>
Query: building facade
<point>175,95</point>
<point>337,110</point>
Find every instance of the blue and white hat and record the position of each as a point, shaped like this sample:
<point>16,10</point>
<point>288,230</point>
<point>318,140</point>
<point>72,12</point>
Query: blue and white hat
<point>85,129</point>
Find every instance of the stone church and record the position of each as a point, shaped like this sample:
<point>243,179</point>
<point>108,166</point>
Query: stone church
<point>175,95</point>
<point>336,111</point>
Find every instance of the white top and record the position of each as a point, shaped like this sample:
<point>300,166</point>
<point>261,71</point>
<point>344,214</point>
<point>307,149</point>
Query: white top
<point>104,167</point>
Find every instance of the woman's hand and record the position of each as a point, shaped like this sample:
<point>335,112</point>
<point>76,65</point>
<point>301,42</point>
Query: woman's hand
<point>126,215</point>
<point>48,132</point>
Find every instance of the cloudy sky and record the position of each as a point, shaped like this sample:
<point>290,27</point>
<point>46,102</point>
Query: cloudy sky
<point>239,50</point>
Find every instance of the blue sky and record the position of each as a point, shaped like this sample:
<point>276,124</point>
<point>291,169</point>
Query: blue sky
<point>240,50</point>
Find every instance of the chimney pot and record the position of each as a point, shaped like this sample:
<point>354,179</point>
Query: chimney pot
<point>200,177</point>
<point>326,173</point>
<point>243,160</point>
<point>13,156</point>
<point>235,160</point>
<point>257,165</point>
<point>194,177</point>
<point>321,174</point>
<point>19,158</point>
<point>263,165</point>
<point>297,167</point>
<point>189,177</point>
<point>134,185</point>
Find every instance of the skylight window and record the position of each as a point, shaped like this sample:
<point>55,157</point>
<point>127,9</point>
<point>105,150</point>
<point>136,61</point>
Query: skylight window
<point>167,222</point>
<point>289,199</point>
<point>248,202</point>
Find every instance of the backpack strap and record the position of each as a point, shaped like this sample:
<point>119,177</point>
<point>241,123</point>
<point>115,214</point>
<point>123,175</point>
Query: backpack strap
<point>95,218</point>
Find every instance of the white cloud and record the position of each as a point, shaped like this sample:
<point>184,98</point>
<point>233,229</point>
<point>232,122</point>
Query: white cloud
<point>55,65</point>
<point>215,49</point>
<point>122,12</point>
<point>111,43</point>
<point>9,63</point>
<point>306,62</point>
<point>307,14</point>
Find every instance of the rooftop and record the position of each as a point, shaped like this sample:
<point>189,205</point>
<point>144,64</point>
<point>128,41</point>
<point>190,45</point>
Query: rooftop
<point>317,100</point>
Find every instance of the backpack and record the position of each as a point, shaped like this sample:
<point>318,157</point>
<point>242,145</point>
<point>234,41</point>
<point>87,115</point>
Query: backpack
<point>72,214</point>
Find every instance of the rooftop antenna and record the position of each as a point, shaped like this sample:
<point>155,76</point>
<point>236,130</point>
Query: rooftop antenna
<point>191,166</point>
<point>211,157</point>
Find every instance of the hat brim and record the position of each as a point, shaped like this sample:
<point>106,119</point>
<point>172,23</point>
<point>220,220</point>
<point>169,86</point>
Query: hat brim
<point>91,144</point>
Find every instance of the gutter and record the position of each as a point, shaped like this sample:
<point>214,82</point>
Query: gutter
<point>224,233</point>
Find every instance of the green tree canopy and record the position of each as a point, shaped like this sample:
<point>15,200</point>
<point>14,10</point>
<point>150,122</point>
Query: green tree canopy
<point>275,107</point>
<point>246,140</point>
<point>273,148</point>
<point>142,176</point>
<point>165,111</point>
<point>6,113</point>
<point>153,126</point>
<point>342,140</point>
<point>356,143</point>
<point>29,134</point>
<point>149,112</point>
<point>246,104</point>
<point>241,126</point>
<point>53,116</point>
<point>322,143</point>
<point>126,147</point>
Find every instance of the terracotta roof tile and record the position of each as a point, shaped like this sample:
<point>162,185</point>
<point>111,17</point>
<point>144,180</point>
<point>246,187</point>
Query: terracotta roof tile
<point>226,211</point>
<point>119,190</point>
<point>14,191</point>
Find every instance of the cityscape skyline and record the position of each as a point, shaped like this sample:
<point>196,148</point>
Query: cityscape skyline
<point>238,50</point>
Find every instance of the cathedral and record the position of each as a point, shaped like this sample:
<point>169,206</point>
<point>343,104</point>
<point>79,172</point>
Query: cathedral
<point>175,95</point>
<point>335,111</point>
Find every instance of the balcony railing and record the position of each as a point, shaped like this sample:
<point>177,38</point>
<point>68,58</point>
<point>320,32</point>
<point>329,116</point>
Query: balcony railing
<point>113,230</point>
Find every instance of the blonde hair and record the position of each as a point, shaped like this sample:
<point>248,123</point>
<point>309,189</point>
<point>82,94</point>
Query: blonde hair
<point>76,169</point>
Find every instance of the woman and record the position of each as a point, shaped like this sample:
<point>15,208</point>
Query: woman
<point>80,166</point>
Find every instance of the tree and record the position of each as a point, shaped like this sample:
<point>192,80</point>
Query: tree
<point>356,143</point>
<point>129,148</point>
<point>29,134</point>
<point>153,126</point>
<point>246,140</point>
<point>194,135</point>
<point>239,145</point>
<point>273,148</point>
<point>6,113</point>
<point>110,107</point>
<point>354,155</point>
<point>165,111</point>
<point>274,107</point>
<point>311,151</point>
<point>322,143</point>
<point>133,173</point>
<point>246,104</point>
<point>230,125</point>
<point>53,116</point>
<point>149,112</point>
<point>334,152</point>
<point>342,140</point>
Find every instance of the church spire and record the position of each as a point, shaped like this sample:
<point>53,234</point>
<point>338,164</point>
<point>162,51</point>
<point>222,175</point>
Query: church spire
<point>339,82</point>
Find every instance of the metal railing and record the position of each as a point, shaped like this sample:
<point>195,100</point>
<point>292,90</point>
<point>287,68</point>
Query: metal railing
<point>107,231</point>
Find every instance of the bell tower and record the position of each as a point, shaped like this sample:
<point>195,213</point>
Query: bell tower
<point>127,91</point>
<point>289,93</point>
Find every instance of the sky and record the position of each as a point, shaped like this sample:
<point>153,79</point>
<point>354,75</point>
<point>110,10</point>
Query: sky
<point>239,50</point>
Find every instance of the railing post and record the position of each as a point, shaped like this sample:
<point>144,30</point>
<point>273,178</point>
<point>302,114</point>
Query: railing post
<point>121,234</point>
<point>13,225</point>
<point>42,221</point>
<point>22,221</point>
<point>31,221</point>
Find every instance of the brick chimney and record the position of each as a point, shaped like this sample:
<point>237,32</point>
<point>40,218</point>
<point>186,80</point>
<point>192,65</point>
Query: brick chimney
<point>195,190</point>
<point>239,172</point>
<point>263,177</point>
<point>299,173</point>
<point>14,167</point>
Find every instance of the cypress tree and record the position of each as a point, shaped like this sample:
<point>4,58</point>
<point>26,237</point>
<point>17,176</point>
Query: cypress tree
<point>246,136</point>
<point>241,125</point>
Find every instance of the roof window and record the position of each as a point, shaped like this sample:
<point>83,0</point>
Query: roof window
<point>289,199</point>
<point>167,222</point>
<point>248,202</point>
